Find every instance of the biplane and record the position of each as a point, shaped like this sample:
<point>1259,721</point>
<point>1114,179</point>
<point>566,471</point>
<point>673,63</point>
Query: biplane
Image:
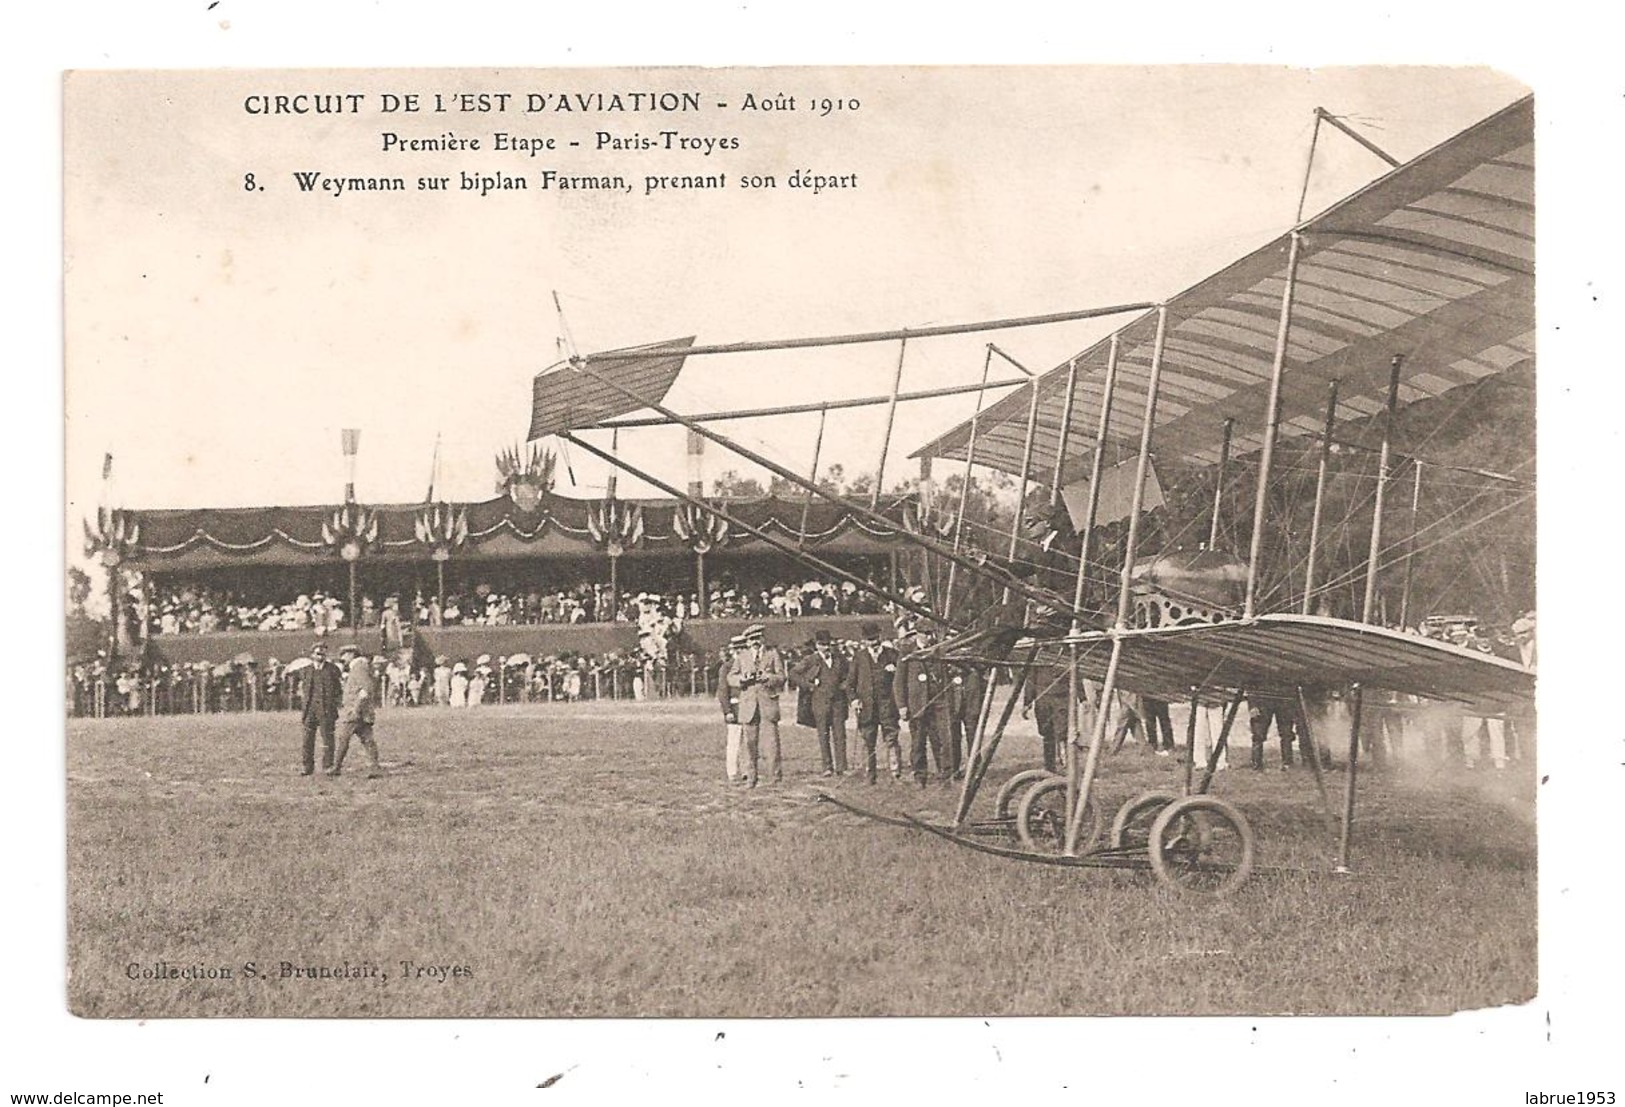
<point>1417,284</point>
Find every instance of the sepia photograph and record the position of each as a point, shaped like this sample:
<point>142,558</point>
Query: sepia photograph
<point>716,552</point>
<point>800,542</point>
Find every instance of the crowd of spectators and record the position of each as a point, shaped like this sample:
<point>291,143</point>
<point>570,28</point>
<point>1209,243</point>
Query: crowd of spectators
<point>196,609</point>
<point>1513,642</point>
<point>655,667</point>
<point>589,603</point>
<point>1394,727</point>
<point>96,688</point>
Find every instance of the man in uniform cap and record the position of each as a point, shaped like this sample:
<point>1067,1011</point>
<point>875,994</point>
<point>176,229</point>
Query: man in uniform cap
<point>321,687</point>
<point>821,678</point>
<point>963,711</point>
<point>358,711</point>
<point>758,674</point>
<point>870,684</point>
<point>922,699</point>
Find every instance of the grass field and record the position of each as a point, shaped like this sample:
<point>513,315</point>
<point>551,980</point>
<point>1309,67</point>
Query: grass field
<point>591,860</point>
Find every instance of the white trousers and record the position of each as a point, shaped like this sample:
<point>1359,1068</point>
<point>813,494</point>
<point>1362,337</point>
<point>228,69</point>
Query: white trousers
<point>1209,723</point>
<point>1498,740</point>
<point>735,734</point>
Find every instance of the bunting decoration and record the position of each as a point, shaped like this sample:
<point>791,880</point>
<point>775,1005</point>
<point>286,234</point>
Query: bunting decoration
<point>114,536</point>
<point>214,538</point>
<point>700,530</point>
<point>615,526</point>
<point>350,531</point>
<point>442,528</point>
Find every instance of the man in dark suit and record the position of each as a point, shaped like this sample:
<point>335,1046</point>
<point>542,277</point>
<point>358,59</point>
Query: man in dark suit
<point>821,677</point>
<point>1044,697</point>
<point>1282,715</point>
<point>322,690</point>
<point>870,682</point>
<point>964,710</point>
<point>921,692</point>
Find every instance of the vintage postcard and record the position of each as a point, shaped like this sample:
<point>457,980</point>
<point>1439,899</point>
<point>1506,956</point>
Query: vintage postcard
<point>801,542</point>
<point>549,434</point>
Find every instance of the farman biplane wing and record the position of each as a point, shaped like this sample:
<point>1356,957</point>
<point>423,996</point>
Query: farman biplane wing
<point>1276,656</point>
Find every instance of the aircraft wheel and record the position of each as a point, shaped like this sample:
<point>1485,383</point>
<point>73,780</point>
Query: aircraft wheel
<point>1201,846</point>
<point>1131,826</point>
<point>1004,806</point>
<point>1041,819</point>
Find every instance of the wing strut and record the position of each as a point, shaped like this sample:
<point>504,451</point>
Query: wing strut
<point>964,486</point>
<point>1074,722</point>
<point>1131,542</point>
<point>891,419</point>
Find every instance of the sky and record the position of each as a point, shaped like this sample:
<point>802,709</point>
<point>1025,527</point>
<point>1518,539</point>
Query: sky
<point>219,338</point>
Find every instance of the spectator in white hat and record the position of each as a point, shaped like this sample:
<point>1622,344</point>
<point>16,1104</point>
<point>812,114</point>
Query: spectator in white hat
<point>459,684</point>
<point>442,681</point>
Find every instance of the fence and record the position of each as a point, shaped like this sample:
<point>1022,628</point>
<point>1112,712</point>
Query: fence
<point>246,691</point>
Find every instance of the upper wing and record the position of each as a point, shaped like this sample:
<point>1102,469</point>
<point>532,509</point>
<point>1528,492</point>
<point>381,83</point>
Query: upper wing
<point>1434,260</point>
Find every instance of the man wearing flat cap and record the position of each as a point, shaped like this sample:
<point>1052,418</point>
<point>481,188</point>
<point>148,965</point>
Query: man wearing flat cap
<point>821,678</point>
<point>358,711</point>
<point>870,685</point>
<point>321,688</point>
<point>758,674</point>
